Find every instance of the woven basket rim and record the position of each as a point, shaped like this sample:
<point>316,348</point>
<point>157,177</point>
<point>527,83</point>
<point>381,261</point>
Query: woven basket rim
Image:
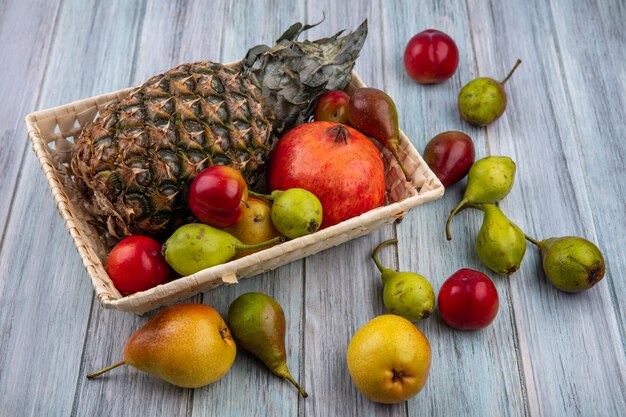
<point>108,296</point>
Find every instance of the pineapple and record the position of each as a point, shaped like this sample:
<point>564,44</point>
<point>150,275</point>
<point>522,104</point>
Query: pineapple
<point>133,165</point>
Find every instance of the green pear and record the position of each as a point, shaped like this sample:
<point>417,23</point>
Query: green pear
<point>405,294</point>
<point>500,244</point>
<point>195,246</point>
<point>483,100</point>
<point>571,264</point>
<point>257,322</point>
<point>295,212</point>
<point>187,345</point>
<point>489,180</point>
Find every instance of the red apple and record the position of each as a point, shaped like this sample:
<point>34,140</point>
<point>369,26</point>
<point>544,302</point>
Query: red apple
<point>337,163</point>
<point>136,264</point>
<point>450,155</point>
<point>333,107</point>
<point>431,57</point>
<point>217,196</point>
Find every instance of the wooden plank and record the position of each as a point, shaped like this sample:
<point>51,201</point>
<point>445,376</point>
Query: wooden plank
<point>121,391</point>
<point>472,373</point>
<point>29,25</point>
<point>250,389</point>
<point>567,343</point>
<point>45,295</point>
<point>342,285</point>
<point>590,61</point>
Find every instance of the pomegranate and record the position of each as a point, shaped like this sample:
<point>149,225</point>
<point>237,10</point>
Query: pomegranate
<point>337,163</point>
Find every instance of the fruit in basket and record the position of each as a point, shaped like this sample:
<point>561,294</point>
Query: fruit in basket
<point>295,212</point>
<point>489,180</point>
<point>332,107</point>
<point>136,264</point>
<point>374,113</point>
<point>389,359</point>
<point>483,100</point>
<point>258,325</point>
<point>406,294</point>
<point>431,57</point>
<point>468,300</point>
<point>196,246</point>
<point>500,244</point>
<point>450,155</point>
<point>188,345</point>
<point>255,225</point>
<point>571,264</point>
<point>338,164</point>
<point>133,165</point>
<point>218,195</point>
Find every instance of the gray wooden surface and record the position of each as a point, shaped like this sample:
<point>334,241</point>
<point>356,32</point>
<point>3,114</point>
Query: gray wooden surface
<point>547,353</point>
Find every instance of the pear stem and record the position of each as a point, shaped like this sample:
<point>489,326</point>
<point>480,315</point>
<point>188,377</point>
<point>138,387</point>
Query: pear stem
<point>402,167</point>
<point>277,239</point>
<point>534,241</point>
<point>107,369</point>
<point>377,249</point>
<point>259,195</point>
<point>298,387</point>
<point>474,206</point>
<point>452,214</point>
<point>517,63</point>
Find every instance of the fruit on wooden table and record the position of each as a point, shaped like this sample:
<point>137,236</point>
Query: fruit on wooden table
<point>332,107</point>
<point>468,300</point>
<point>406,294</point>
<point>295,212</point>
<point>196,246</point>
<point>450,155</point>
<point>571,264</point>
<point>389,359</point>
<point>489,180</point>
<point>218,195</point>
<point>136,264</point>
<point>188,345</point>
<point>133,165</point>
<point>374,113</point>
<point>500,243</point>
<point>255,225</point>
<point>431,57</point>
<point>338,164</point>
<point>258,325</point>
<point>483,100</point>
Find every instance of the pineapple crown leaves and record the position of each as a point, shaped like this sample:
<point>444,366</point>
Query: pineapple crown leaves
<point>292,74</point>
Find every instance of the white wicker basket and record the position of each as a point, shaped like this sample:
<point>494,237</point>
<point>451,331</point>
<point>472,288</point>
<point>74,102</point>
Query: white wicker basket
<point>52,132</point>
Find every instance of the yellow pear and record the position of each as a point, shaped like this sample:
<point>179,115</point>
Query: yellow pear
<point>389,359</point>
<point>188,345</point>
<point>255,226</point>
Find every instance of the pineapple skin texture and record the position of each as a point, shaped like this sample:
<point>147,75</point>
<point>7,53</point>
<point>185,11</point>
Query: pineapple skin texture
<point>134,164</point>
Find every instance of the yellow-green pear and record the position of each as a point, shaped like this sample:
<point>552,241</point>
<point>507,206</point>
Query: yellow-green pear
<point>489,180</point>
<point>389,359</point>
<point>188,345</point>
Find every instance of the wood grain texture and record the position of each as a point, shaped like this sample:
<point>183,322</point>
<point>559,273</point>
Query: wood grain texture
<point>342,285</point>
<point>547,354</point>
<point>538,131</point>
<point>23,66</point>
<point>250,389</point>
<point>114,394</point>
<point>598,107</point>
<point>46,298</point>
<point>484,363</point>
